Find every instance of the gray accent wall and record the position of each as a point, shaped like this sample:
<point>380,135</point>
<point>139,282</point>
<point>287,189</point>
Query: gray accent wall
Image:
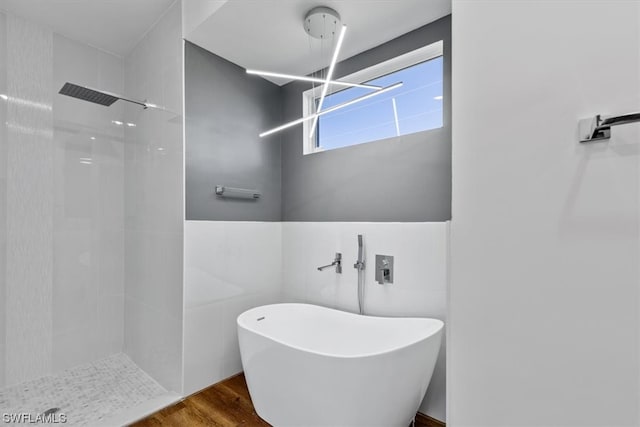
<point>226,109</point>
<point>400,179</point>
<point>406,178</point>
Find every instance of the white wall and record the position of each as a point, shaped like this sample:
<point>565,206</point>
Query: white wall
<point>154,203</point>
<point>229,268</point>
<point>420,253</point>
<point>543,320</point>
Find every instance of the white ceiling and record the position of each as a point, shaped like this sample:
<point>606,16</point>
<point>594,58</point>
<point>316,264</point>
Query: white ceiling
<point>268,34</point>
<point>112,25</point>
<point>261,34</point>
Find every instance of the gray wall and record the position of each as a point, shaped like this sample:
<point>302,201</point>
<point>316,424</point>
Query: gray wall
<point>406,178</point>
<point>225,111</point>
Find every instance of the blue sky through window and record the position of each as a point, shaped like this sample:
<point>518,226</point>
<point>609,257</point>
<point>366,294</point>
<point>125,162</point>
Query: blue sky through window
<point>417,105</point>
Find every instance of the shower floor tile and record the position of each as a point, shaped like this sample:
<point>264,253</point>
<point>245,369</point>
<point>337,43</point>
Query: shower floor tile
<point>86,394</point>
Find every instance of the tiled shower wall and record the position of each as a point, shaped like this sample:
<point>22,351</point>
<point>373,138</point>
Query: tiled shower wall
<point>3,180</point>
<point>154,203</point>
<point>29,202</point>
<point>61,193</point>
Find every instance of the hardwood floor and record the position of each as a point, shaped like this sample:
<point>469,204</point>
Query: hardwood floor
<point>423,420</point>
<point>226,404</point>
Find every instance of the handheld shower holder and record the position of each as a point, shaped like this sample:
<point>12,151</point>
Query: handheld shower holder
<point>598,127</point>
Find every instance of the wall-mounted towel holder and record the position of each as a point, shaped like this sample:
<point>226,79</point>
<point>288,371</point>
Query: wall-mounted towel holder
<point>598,128</point>
<point>236,193</point>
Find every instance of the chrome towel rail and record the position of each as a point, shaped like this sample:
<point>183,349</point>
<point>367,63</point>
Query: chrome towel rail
<point>236,193</point>
<point>598,128</point>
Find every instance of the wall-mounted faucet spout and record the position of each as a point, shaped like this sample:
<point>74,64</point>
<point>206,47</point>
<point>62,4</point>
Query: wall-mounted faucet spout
<point>337,262</point>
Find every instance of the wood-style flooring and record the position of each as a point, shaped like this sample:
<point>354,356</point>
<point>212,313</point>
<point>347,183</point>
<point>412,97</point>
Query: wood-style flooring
<point>226,404</point>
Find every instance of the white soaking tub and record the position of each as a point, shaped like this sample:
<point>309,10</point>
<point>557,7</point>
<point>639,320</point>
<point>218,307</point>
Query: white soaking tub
<point>313,366</point>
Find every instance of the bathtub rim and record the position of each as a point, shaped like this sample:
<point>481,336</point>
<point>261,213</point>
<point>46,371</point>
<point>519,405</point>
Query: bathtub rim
<point>440,326</point>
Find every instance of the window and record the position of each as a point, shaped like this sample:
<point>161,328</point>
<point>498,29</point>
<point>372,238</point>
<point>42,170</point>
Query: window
<point>414,107</point>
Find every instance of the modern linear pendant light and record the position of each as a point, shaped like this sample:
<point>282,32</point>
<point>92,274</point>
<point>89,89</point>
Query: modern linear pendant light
<point>322,23</point>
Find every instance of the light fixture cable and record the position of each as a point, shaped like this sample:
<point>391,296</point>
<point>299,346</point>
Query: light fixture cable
<point>329,76</point>
<point>315,25</point>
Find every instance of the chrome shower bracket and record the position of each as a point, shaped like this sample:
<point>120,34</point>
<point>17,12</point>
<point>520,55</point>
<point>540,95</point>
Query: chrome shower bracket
<point>598,128</point>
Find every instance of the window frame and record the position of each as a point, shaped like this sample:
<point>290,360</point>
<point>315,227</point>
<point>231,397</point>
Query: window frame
<point>400,62</point>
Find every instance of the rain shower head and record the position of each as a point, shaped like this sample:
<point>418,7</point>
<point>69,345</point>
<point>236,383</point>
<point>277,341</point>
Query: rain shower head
<point>87,94</point>
<point>96,96</point>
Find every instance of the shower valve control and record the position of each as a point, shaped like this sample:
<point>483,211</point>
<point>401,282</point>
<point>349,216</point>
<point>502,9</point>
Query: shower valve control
<point>384,269</point>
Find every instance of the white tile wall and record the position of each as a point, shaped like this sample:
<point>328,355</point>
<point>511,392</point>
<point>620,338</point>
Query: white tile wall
<point>154,203</point>
<point>229,268</point>
<point>29,201</point>
<point>3,188</point>
<point>420,253</point>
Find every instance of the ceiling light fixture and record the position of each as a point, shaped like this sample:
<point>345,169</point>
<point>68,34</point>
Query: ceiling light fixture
<point>395,116</point>
<point>322,23</point>
<point>332,109</point>
<point>311,79</point>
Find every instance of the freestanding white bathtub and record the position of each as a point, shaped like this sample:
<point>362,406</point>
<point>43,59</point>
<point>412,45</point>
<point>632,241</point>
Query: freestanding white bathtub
<point>313,366</point>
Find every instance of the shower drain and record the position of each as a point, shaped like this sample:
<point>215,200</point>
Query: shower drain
<point>50,411</point>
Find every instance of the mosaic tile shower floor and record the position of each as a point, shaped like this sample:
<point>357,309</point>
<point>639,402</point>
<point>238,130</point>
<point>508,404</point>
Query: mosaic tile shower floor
<point>85,394</point>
